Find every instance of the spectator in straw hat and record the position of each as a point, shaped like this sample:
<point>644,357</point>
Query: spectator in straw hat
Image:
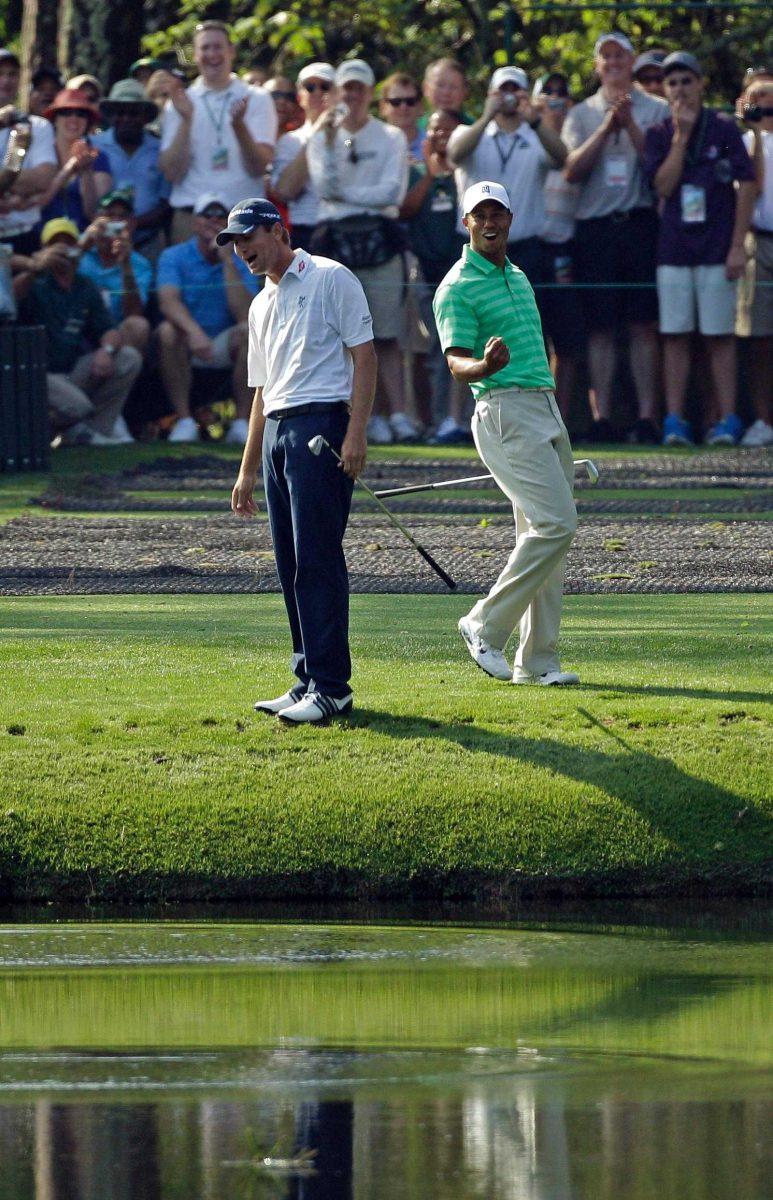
<point>133,155</point>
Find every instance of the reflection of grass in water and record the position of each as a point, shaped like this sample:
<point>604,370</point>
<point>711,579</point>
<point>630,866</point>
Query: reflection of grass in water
<point>704,1015</point>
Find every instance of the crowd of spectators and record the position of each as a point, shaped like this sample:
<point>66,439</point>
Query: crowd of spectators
<point>643,219</point>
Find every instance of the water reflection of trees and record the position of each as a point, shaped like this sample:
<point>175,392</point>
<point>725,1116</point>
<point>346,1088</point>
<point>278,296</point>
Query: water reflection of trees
<point>525,1138</point>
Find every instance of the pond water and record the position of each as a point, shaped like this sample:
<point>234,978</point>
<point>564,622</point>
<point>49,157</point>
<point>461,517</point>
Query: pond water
<point>246,1061</point>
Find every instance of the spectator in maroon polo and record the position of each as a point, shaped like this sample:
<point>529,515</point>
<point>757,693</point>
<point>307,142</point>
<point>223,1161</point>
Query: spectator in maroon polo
<point>694,159</point>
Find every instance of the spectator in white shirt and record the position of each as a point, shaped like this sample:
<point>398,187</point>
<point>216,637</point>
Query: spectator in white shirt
<point>290,174</point>
<point>755,300</point>
<point>19,213</point>
<point>511,144</point>
<point>359,168</point>
<point>219,132</point>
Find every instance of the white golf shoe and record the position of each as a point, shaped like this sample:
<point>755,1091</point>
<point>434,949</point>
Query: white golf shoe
<point>281,703</point>
<point>379,432</point>
<point>186,430</point>
<point>314,707</point>
<point>488,658</point>
<point>758,434</point>
<point>548,678</point>
<point>237,433</point>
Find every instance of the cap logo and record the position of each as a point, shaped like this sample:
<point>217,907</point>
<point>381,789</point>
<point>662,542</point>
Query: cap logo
<point>486,189</point>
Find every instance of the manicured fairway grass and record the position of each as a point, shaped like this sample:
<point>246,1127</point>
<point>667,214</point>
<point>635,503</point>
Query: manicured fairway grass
<point>132,765</point>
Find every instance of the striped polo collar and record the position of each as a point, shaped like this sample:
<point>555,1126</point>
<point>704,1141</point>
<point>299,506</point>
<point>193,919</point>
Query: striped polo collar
<point>482,264</point>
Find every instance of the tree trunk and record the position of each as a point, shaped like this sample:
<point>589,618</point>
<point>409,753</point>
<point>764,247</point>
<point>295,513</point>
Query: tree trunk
<point>101,37</point>
<point>40,22</point>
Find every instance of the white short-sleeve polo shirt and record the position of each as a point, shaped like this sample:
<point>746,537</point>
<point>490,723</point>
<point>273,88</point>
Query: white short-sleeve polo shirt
<point>300,329</point>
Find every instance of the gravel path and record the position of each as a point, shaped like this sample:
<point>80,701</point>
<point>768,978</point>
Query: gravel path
<point>50,556</point>
<point>625,543</point>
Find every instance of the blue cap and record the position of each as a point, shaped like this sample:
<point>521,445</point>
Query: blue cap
<point>246,216</point>
<point>682,60</point>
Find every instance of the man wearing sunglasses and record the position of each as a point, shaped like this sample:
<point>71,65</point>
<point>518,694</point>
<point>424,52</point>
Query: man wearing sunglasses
<point>290,181</point>
<point>400,105</point>
<point>359,167</point>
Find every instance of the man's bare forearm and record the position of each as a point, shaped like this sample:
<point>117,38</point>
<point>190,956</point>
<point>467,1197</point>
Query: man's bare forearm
<point>363,386</point>
<point>253,447</point>
<point>467,369</point>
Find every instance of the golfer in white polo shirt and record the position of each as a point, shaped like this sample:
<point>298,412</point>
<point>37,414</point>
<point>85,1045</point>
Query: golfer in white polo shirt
<point>313,365</point>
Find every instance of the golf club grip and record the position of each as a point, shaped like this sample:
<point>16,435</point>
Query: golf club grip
<point>417,487</point>
<point>436,567</point>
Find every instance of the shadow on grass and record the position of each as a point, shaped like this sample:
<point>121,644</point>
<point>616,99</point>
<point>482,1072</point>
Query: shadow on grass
<point>699,818</point>
<point>629,689</point>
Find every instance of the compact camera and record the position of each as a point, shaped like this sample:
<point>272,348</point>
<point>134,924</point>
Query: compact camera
<point>755,112</point>
<point>113,228</point>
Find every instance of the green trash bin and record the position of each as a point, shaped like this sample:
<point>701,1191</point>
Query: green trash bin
<point>25,439</point>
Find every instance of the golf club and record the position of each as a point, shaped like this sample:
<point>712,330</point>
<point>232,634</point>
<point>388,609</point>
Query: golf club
<point>316,444</point>
<point>590,467</point>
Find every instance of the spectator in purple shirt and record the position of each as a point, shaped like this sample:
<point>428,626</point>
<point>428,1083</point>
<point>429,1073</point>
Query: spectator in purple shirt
<point>693,159</point>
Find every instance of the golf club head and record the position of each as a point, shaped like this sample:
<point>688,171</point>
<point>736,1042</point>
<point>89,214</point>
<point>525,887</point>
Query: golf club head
<point>591,470</point>
<point>316,444</point>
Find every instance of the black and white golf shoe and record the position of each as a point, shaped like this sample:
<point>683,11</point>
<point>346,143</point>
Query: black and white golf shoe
<point>282,702</point>
<point>314,707</point>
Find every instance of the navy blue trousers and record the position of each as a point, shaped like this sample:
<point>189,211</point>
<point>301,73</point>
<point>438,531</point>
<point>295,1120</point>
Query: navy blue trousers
<point>308,499</point>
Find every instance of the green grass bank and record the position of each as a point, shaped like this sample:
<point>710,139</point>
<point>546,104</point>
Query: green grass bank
<point>133,768</point>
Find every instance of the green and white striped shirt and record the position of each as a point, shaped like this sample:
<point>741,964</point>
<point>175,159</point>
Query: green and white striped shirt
<point>478,300</point>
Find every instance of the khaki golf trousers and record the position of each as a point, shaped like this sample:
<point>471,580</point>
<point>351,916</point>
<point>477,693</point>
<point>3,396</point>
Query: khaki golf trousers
<point>523,441</point>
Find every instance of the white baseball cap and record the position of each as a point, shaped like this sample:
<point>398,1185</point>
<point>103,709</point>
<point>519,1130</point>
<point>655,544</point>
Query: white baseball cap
<point>514,75</point>
<point>614,36</point>
<point>485,190</point>
<point>209,199</point>
<point>355,70</point>
<point>317,70</point>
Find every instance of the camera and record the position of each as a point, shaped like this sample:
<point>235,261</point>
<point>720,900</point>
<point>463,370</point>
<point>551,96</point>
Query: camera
<point>509,101</point>
<point>113,228</point>
<point>755,112</point>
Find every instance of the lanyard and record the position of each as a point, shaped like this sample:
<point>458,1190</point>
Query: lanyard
<point>505,158</point>
<point>217,124</point>
<point>695,147</point>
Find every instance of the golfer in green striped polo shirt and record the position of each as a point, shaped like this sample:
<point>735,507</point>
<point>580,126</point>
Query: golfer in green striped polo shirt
<point>491,335</point>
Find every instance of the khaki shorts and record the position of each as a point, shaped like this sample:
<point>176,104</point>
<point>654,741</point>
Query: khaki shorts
<point>221,352</point>
<point>705,293</point>
<point>385,292</point>
<point>755,295</point>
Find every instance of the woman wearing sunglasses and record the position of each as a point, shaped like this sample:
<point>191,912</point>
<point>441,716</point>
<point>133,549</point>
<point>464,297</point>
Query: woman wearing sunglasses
<point>84,175</point>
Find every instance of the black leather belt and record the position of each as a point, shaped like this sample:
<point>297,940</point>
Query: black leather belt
<point>303,410</point>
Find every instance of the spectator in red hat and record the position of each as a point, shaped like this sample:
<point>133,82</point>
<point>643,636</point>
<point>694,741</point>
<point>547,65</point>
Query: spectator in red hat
<point>84,175</point>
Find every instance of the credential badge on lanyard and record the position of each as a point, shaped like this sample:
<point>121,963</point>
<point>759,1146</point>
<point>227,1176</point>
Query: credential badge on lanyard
<point>219,160</point>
